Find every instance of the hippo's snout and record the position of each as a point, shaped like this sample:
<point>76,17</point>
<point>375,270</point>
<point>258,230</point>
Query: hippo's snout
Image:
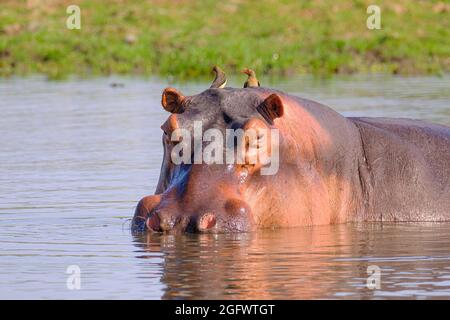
<point>167,220</point>
<point>154,215</point>
<point>235,216</point>
<point>142,212</point>
<point>161,222</point>
<point>164,221</point>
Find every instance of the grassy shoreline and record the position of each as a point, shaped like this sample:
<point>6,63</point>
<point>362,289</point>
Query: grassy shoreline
<point>183,39</point>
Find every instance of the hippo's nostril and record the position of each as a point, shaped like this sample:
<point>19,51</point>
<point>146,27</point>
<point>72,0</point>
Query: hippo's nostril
<point>206,221</point>
<point>191,225</point>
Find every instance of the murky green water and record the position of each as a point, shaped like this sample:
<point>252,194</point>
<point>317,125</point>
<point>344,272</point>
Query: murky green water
<point>76,156</point>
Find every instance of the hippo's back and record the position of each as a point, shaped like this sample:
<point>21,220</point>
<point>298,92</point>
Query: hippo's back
<point>408,165</point>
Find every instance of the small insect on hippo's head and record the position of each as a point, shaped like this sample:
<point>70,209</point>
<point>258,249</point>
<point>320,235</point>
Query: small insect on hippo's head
<point>216,144</point>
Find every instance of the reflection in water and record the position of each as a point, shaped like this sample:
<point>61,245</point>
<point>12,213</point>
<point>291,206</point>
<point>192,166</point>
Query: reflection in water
<point>76,155</point>
<point>305,263</point>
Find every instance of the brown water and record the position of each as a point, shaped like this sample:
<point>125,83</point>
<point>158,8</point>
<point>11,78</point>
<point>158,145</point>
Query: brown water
<point>75,156</point>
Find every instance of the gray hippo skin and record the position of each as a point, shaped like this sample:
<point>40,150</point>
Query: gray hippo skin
<point>406,173</point>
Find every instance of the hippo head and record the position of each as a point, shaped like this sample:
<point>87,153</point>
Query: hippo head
<point>216,144</point>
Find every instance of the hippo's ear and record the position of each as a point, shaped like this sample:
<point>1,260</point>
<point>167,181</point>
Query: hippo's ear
<point>271,108</point>
<point>172,101</point>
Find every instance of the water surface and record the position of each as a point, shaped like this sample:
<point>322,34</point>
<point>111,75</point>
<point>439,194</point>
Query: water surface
<point>76,156</point>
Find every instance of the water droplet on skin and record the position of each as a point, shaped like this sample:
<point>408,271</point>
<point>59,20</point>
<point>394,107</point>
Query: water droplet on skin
<point>243,176</point>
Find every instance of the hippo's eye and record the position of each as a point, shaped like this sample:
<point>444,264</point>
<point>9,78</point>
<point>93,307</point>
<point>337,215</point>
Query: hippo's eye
<point>227,118</point>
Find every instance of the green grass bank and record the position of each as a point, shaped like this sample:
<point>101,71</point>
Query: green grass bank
<point>185,38</point>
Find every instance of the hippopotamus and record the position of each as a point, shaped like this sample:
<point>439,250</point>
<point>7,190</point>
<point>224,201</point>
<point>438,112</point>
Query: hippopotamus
<point>331,169</point>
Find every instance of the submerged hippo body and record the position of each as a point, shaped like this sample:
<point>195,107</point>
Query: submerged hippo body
<point>332,169</point>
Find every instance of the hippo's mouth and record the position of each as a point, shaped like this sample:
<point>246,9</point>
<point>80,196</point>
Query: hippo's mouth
<point>205,223</point>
